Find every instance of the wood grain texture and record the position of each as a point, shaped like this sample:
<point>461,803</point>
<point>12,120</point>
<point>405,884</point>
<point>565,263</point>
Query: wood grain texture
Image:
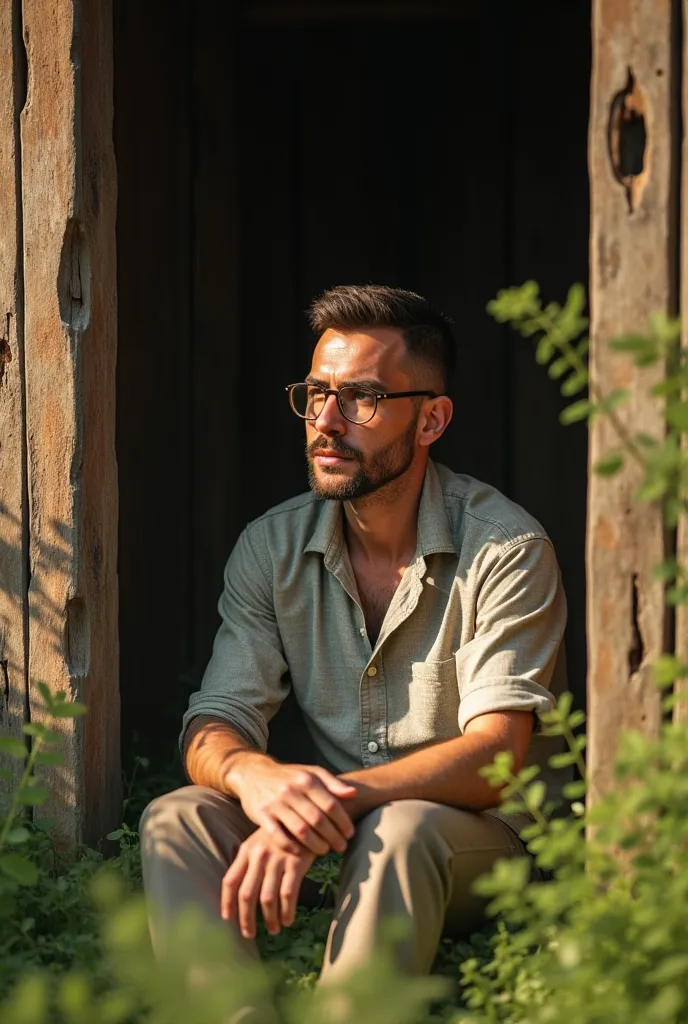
<point>633,234</point>
<point>68,199</point>
<point>681,687</point>
<point>13,542</point>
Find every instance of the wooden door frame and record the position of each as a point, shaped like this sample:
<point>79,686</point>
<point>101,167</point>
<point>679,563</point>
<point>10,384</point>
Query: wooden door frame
<point>58,293</point>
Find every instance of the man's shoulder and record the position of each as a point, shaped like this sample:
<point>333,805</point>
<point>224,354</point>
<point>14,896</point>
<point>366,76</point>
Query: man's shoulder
<point>287,526</point>
<point>478,509</point>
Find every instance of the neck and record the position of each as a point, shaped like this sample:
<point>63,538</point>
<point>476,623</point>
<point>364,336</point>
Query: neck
<point>384,525</point>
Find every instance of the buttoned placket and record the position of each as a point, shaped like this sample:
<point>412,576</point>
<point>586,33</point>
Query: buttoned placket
<point>372,685</point>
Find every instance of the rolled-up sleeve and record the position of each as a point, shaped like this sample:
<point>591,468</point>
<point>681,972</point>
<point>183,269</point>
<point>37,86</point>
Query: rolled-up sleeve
<point>246,679</point>
<point>520,621</point>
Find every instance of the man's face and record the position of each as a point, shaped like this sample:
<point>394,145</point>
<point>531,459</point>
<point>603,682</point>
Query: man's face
<point>347,460</point>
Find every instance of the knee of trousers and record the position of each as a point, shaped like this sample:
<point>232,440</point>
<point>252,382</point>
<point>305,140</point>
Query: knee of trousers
<point>184,816</point>
<point>403,829</point>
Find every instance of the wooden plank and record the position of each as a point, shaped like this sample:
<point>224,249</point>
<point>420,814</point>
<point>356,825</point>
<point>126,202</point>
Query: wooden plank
<point>633,235</point>
<point>13,537</point>
<point>68,199</point>
<point>681,687</point>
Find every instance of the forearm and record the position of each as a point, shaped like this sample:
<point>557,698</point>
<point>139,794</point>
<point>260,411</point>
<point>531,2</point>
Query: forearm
<point>446,773</point>
<point>216,755</point>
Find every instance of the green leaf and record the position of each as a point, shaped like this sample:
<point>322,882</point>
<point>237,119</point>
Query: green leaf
<point>14,747</point>
<point>652,490</point>
<point>632,343</point>
<point>575,790</point>
<point>544,351</point>
<point>609,465</point>
<point>32,796</point>
<point>117,834</point>
<point>33,729</point>
<point>563,760</point>
<point>49,757</point>
<point>17,835</point>
<point>534,795</point>
<point>18,868</point>
<point>573,384</point>
<point>667,669</point>
<point>46,694</point>
<point>558,367</point>
<point>68,709</point>
<point>578,411</point>
<point>666,570</point>
<point>677,415</point>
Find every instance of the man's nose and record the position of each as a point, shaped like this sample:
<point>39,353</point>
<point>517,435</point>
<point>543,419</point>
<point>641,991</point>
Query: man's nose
<point>330,420</point>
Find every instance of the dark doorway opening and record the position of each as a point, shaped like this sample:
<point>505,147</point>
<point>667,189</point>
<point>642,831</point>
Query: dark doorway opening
<point>267,151</point>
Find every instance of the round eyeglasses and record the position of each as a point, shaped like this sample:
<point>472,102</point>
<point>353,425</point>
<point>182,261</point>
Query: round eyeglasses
<point>356,404</point>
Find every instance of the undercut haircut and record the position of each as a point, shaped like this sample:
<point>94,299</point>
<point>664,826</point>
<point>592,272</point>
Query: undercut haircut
<point>428,334</point>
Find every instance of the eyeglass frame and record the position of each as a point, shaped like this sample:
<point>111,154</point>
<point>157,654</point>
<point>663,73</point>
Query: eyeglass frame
<point>336,392</point>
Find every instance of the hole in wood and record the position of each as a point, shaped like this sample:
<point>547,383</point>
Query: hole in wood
<point>78,638</point>
<point>636,651</point>
<point>627,139</point>
<point>74,280</point>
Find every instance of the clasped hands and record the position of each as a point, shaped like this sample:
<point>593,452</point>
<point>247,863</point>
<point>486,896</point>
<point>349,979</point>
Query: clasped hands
<point>300,813</point>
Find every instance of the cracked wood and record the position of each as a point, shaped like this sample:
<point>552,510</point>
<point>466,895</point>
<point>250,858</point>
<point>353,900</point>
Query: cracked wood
<point>633,145</point>
<point>69,197</point>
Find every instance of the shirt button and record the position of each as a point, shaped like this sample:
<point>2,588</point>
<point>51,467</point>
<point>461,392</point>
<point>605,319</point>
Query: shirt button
<point>372,671</point>
<point>362,631</point>
<point>373,747</point>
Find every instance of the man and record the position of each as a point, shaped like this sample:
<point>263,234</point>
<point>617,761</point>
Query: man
<point>418,616</point>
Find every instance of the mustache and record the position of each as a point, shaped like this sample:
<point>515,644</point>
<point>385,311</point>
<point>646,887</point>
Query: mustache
<point>334,447</point>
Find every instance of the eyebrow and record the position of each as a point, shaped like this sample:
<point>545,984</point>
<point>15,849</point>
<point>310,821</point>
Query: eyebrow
<point>376,385</point>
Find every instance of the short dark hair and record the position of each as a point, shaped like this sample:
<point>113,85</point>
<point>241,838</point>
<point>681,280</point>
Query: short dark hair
<point>428,334</point>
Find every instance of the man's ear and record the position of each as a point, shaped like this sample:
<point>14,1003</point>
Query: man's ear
<point>434,419</point>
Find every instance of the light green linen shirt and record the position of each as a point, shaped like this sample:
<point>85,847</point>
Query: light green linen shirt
<point>475,626</point>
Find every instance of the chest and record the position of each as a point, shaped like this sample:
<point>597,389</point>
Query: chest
<point>376,587</point>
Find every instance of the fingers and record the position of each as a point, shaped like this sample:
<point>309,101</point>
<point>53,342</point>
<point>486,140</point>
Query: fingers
<point>298,826</point>
<point>289,890</point>
<point>277,834</point>
<point>315,814</point>
<point>247,897</point>
<point>336,786</point>
<point>230,885</point>
<point>336,814</point>
<point>270,894</point>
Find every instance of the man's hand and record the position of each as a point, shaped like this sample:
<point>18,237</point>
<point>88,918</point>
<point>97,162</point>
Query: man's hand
<point>264,872</point>
<point>304,800</point>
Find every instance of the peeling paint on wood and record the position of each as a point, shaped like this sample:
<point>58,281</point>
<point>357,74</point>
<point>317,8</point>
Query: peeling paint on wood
<point>632,157</point>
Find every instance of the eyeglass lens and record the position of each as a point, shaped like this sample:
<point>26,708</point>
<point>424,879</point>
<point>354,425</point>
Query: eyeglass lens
<point>358,405</point>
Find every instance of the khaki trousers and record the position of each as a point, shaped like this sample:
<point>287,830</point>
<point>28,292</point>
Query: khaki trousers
<point>410,859</point>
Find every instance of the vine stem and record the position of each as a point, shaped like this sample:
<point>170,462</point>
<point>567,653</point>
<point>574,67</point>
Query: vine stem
<point>548,327</point>
<point>26,775</point>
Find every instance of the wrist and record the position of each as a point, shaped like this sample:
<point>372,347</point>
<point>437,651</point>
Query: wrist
<point>368,795</point>
<point>242,766</point>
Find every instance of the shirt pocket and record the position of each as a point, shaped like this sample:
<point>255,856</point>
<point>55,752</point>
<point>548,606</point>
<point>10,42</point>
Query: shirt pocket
<point>433,705</point>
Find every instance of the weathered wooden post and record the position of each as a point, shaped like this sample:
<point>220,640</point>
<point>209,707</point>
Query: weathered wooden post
<point>633,154</point>
<point>58,573</point>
